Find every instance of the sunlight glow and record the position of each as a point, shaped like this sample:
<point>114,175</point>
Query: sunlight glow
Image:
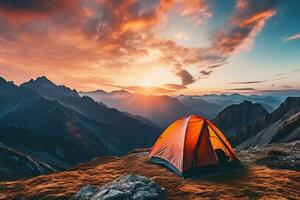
<point>147,84</point>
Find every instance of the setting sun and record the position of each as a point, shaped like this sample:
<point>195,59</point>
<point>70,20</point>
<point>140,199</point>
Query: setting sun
<point>147,84</point>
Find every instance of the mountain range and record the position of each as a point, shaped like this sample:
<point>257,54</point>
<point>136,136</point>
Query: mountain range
<point>45,127</point>
<point>58,127</point>
<point>162,110</point>
<point>212,104</point>
<point>234,114</point>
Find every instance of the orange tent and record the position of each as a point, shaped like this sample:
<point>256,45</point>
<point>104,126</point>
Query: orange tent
<point>190,142</point>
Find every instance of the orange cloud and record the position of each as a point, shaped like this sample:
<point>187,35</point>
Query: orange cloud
<point>246,22</point>
<point>107,40</point>
<point>175,86</point>
<point>195,10</point>
<point>181,36</point>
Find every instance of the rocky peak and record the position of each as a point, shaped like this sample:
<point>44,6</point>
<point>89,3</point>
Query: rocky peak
<point>47,88</point>
<point>2,80</point>
<point>234,117</point>
<point>43,80</point>
<point>5,82</point>
<point>291,102</point>
<point>246,102</point>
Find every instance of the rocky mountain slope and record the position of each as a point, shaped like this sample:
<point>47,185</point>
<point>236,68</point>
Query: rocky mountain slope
<point>266,174</point>
<point>15,164</point>
<point>24,153</point>
<point>234,117</point>
<point>282,125</point>
<point>60,128</point>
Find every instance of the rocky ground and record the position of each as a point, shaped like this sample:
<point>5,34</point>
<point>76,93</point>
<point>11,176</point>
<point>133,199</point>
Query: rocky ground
<point>270,172</point>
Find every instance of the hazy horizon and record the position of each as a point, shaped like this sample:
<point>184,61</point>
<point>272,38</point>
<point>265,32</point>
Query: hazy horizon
<point>149,91</point>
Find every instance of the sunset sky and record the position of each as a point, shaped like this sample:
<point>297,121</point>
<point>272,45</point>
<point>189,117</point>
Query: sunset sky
<point>160,46</point>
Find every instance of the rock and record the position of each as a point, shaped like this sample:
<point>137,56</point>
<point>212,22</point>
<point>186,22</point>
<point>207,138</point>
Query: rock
<point>86,192</point>
<point>126,187</point>
<point>110,194</point>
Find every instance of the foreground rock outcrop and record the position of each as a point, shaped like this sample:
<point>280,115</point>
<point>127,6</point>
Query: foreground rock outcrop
<point>129,187</point>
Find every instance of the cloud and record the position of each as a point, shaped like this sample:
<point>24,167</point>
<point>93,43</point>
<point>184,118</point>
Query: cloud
<point>110,38</point>
<point>243,89</point>
<point>247,21</point>
<point>181,36</point>
<point>175,86</point>
<point>217,65</point>
<point>280,75</point>
<point>296,70</point>
<point>293,37</point>
<point>287,86</point>
<point>30,9</point>
<point>248,82</point>
<point>195,10</point>
<point>186,77</point>
<point>285,92</point>
<point>94,35</point>
<point>204,74</point>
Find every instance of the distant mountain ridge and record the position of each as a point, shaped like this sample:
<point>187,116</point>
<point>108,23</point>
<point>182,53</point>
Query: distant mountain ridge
<point>234,117</point>
<point>212,104</point>
<point>162,110</point>
<point>206,108</point>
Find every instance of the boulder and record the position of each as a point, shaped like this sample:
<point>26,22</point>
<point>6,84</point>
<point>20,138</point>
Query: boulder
<point>126,187</point>
<point>86,192</point>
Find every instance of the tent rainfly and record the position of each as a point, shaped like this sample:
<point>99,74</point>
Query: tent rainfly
<point>189,143</point>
